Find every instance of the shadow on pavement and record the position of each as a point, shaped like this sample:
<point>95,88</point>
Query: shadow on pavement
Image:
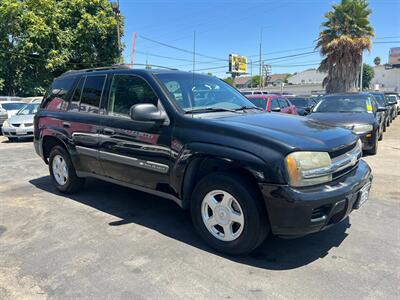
<point>168,219</point>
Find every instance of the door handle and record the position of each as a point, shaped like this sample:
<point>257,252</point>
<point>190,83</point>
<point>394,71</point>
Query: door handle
<point>66,125</point>
<point>108,131</point>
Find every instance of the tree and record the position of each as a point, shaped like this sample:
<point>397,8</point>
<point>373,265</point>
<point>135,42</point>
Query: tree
<point>377,61</point>
<point>367,76</point>
<point>41,39</point>
<point>346,34</point>
<point>256,80</point>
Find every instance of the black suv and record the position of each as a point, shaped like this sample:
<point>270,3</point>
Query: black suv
<point>195,140</point>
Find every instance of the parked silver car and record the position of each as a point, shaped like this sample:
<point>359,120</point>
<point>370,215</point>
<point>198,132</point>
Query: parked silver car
<point>8,109</point>
<point>21,124</point>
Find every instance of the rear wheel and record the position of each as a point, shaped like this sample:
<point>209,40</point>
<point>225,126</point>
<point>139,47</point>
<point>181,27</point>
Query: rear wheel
<point>228,213</point>
<point>63,172</point>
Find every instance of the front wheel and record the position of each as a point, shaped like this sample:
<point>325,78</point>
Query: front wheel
<point>228,213</point>
<point>62,171</point>
<point>374,149</point>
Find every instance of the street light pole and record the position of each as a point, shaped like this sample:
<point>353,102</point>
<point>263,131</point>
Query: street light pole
<point>115,8</point>
<point>260,74</point>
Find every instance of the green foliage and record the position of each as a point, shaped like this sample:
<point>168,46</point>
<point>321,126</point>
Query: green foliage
<point>256,80</point>
<point>345,35</point>
<point>229,80</point>
<point>377,61</point>
<point>367,76</point>
<point>40,39</point>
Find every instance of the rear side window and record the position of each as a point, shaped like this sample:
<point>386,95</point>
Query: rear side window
<point>76,98</point>
<point>91,94</point>
<point>58,95</point>
<point>283,103</point>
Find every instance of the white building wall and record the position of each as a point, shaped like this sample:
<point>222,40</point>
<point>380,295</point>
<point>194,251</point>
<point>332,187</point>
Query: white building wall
<point>386,80</point>
<point>311,76</point>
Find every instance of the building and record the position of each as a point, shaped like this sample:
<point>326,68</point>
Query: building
<point>386,79</point>
<point>310,76</point>
<point>277,79</point>
<point>242,82</point>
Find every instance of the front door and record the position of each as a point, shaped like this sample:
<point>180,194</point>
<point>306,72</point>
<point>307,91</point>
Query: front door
<point>131,151</point>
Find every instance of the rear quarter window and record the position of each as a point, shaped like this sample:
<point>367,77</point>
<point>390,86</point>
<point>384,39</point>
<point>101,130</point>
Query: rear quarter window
<point>58,96</point>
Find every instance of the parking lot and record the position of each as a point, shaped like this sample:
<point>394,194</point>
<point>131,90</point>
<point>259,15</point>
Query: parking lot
<point>110,242</point>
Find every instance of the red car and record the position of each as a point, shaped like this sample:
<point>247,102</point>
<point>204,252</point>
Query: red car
<point>273,103</point>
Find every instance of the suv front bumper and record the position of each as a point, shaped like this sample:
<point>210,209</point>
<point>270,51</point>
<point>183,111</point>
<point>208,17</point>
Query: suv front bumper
<point>300,211</point>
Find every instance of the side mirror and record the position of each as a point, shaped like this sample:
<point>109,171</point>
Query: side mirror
<point>276,109</point>
<point>146,112</point>
<point>382,109</point>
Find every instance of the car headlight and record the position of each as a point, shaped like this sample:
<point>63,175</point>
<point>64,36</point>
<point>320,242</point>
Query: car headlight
<point>308,168</point>
<point>5,124</point>
<point>362,128</point>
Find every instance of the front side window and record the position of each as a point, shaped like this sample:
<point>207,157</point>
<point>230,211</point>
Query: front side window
<point>283,103</point>
<point>259,102</point>
<point>128,90</point>
<point>91,94</point>
<point>199,92</point>
<point>274,104</point>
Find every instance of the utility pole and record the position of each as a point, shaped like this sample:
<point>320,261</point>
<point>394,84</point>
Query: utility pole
<point>251,74</point>
<point>361,73</point>
<point>260,62</point>
<point>115,8</point>
<point>133,48</point>
<point>194,50</point>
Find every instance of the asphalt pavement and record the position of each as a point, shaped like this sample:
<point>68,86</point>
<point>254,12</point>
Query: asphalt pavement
<point>110,242</point>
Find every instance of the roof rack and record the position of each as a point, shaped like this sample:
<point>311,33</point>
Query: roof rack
<point>116,67</point>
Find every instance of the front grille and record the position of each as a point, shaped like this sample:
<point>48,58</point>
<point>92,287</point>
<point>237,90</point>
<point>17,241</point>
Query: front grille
<point>28,124</point>
<point>340,173</point>
<point>342,151</point>
<point>15,125</point>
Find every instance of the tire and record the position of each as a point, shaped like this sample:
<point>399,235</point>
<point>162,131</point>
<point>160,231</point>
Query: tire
<point>12,139</point>
<point>381,136</point>
<point>246,205</point>
<point>384,127</point>
<point>64,179</point>
<point>374,149</point>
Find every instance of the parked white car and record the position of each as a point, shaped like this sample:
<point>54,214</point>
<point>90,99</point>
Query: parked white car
<point>8,109</point>
<point>21,124</point>
<point>33,99</point>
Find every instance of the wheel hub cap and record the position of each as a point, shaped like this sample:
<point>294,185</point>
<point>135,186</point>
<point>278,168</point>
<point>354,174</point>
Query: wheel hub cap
<point>60,169</point>
<point>222,215</point>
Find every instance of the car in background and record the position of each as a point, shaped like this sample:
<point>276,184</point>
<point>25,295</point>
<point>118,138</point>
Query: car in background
<point>273,103</point>
<point>394,97</point>
<point>303,105</point>
<point>355,111</point>
<point>247,93</point>
<point>392,103</point>
<point>10,98</point>
<point>8,109</point>
<point>33,99</point>
<point>21,124</point>
<point>380,99</point>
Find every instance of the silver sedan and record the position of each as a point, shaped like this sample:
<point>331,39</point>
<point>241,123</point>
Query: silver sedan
<point>21,124</point>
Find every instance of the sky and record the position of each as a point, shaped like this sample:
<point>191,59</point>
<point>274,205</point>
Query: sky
<point>222,27</point>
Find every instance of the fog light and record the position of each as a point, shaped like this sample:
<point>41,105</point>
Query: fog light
<point>369,135</point>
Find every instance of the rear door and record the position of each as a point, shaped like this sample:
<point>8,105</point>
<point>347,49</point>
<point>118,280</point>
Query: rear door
<point>83,122</point>
<point>131,151</point>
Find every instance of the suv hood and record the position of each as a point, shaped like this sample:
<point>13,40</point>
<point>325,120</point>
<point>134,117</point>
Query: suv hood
<point>289,131</point>
<point>343,119</point>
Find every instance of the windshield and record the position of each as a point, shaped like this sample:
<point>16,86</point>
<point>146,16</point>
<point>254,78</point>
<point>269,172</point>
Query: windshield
<point>196,92</point>
<point>29,109</point>
<point>344,103</point>
<point>299,102</point>
<point>380,99</point>
<point>13,106</point>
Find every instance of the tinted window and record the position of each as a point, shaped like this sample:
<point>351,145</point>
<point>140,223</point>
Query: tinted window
<point>274,104</point>
<point>129,90</point>
<point>259,102</point>
<point>13,106</point>
<point>58,95</point>
<point>91,94</point>
<point>76,98</point>
<point>283,103</point>
<point>300,102</point>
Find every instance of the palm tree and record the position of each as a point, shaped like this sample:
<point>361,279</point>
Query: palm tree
<point>346,34</point>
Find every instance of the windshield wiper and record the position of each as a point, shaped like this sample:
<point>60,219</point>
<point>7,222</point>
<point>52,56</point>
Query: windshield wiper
<point>209,109</point>
<point>248,107</point>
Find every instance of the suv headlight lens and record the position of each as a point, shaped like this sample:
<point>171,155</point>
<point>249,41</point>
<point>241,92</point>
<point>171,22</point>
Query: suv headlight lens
<point>303,168</point>
<point>362,128</point>
<point>5,124</point>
